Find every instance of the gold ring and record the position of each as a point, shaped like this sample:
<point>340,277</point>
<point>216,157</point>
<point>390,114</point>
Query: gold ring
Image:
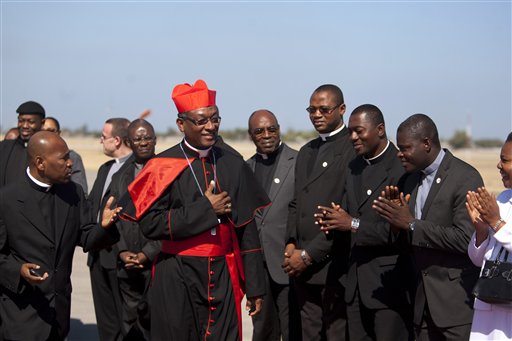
<point>228,205</point>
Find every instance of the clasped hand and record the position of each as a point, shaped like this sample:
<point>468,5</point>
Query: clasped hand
<point>293,264</point>
<point>133,260</point>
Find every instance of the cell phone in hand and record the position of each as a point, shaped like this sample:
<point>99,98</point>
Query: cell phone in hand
<point>36,272</point>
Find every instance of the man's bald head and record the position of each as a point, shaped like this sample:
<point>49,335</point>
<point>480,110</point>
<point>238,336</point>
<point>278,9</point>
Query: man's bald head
<point>264,131</point>
<point>262,112</point>
<point>137,123</point>
<point>48,158</point>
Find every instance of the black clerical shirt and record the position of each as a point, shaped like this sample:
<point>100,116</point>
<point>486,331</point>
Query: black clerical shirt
<point>46,201</point>
<point>266,167</point>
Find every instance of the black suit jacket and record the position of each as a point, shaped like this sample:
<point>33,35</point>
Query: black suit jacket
<point>7,148</point>
<point>380,262</point>
<point>108,256</point>
<point>271,221</point>
<point>131,238</point>
<point>440,241</point>
<point>28,311</point>
<point>324,184</point>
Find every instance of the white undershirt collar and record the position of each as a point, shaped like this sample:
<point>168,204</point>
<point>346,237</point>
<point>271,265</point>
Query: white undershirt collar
<point>332,133</point>
<point>265,156</point>
<point>368,161</point>
<point>202,152</point>
<point>37,182</point>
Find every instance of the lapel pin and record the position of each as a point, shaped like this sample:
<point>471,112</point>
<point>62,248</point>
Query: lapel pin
<point>276,180</point>
<point>369,192</point>
<point>324,164</point>
<point>438,180</point>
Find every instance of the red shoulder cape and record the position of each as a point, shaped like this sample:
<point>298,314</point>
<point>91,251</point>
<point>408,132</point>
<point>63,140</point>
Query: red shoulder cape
<point>152,181</point>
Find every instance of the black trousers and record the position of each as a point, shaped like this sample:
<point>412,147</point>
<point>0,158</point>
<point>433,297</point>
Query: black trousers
<point>379,324</point>
<point>323,311</point>
<point>107,302</point>
<point>135,312</point>
<point>279,317</point>
<point>429,331</point>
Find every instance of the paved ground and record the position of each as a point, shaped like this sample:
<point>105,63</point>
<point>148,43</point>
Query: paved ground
<point>83,320</point>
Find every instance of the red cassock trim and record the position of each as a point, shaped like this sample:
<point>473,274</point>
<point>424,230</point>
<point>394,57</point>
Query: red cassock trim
<point>223,243</point>
<point>152,181</point>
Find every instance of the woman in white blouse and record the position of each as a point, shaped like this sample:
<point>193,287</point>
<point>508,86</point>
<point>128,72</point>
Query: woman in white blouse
<point>492,218</point>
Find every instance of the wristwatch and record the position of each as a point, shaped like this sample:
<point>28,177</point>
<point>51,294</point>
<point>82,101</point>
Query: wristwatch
<point>305,258</point>
<point>497,225</point>
<point>411,225</point>
<point>354,225</point>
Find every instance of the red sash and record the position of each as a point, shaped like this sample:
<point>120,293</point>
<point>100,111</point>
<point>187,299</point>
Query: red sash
<point>223,243</point>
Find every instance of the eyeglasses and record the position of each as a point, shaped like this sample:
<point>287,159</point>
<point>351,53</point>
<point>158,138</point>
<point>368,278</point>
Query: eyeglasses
<point>139,140</point>
<point>324,110</point>
<point>272,130</point>
<point>203,121</point>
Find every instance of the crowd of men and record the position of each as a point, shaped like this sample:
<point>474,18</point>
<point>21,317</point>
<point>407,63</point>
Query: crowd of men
<point>349,238</point>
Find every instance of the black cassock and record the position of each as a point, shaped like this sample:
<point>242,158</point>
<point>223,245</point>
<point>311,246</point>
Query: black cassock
<point>194,292</point>
<point>13,160</point>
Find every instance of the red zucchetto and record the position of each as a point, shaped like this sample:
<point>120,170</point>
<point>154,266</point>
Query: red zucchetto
<point>187,97</point>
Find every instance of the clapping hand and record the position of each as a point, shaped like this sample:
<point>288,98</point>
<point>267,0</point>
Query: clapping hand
<point>333,218</point>
<point>485,204</point>
<point>392,205</point>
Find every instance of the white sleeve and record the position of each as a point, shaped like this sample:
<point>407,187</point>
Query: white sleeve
<point>477,254</point>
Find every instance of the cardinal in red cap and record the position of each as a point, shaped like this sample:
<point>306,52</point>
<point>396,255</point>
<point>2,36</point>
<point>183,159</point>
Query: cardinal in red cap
<point>199,198</point>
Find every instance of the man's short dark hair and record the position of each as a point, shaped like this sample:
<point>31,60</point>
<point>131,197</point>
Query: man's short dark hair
<point>372,112</point>
<point>334,90</point>
<point>509,138</point>
<point>421,126</point>
<point>119,127</point>
<point>54,120</point>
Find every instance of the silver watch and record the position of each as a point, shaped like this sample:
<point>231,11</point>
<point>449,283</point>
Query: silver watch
<point>305,258</point>
<point>411,225</point>
<point>354,225</point>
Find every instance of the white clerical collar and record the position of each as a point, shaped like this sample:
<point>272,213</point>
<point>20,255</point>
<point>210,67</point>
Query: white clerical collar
<point>37,182</point>
<point>122,159</point>
<point>265,156</point>
<point>332,133</point>
<point>201,152</point>
<point>369,161</point>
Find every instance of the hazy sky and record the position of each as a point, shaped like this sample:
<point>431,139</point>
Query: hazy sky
<point>85,61</point>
